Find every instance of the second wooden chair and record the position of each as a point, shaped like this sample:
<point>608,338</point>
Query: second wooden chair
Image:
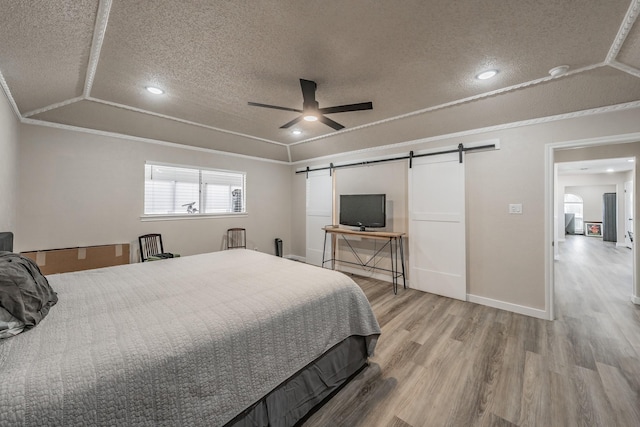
<point>236,238</point>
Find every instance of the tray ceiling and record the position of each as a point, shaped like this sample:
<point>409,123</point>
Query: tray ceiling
<point>86,64</point>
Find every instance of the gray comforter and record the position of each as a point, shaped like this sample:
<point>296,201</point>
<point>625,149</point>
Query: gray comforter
<point>186,341</point>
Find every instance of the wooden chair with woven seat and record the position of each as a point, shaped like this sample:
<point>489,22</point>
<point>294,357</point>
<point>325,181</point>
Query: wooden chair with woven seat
<point>151,248</point>
<point>236,238</point>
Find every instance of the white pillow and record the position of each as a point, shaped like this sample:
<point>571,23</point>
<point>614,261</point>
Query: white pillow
<point>9,325</point>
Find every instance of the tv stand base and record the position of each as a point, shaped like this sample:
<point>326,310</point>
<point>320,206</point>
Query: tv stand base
<point>393,241</point>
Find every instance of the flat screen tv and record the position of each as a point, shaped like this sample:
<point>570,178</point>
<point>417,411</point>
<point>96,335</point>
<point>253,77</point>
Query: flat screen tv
<point>363,210</point>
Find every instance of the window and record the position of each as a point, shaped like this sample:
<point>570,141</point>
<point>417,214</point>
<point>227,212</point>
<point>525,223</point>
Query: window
<point>180,190</point>
<point>573,205</point>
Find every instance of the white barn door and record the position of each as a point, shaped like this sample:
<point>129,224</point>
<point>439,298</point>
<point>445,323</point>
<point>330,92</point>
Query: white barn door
<point>437,226</point>
<point>319,209</point>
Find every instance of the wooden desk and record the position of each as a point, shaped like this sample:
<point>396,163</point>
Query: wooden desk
<point>393,241</point>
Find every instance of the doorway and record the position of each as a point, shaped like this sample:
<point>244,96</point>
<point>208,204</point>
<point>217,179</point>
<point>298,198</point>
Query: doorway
<point>594,265</point>
<point>591,149</point>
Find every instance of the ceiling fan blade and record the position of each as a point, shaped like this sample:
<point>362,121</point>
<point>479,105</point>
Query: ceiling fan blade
<point>308,91</point>
<point>291,123</point>
<point>275,107</point>
<point>327,121</point>
<point>345,108</point>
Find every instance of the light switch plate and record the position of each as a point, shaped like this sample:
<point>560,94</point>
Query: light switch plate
<point>515,208</point>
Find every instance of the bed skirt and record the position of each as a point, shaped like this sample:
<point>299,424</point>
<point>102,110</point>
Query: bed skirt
<point>299,396</point>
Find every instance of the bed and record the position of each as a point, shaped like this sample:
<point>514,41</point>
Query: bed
<point>227,338</point>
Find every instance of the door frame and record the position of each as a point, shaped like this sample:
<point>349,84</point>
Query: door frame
<point>627,214</point>
<point>549,192</point>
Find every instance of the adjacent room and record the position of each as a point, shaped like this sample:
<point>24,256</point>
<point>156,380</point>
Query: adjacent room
<point>319,213</point>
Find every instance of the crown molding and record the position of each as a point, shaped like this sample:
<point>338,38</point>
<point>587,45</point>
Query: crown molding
<point>623,31</point>
<point>7,92</point>
<point>104,9</point>
<point>53,106</point>
<point>522,123</point>
<point>458,102</point>
<point>625,68</point>
<point>147,140</point>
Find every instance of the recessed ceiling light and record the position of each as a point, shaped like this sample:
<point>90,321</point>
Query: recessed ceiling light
<point>486,74</point>
<point>610,170</point>
<point>154,90</point>
<point>310,118</point>
<point>296,132</point>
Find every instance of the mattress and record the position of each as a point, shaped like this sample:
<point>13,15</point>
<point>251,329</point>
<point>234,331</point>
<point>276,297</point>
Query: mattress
<point>186,341</point>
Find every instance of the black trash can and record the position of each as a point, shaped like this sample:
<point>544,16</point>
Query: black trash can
<point>278,247</point>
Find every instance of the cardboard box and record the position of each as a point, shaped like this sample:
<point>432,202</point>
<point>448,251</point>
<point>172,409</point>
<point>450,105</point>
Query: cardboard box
<point>54,261</point>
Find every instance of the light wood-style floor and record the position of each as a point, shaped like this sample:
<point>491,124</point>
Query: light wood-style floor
<point>442,362</point>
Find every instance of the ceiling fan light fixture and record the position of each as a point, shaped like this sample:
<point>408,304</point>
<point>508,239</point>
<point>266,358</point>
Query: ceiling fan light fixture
<point>154,90</point>
<point>311,112</point>
<point>486,74</point>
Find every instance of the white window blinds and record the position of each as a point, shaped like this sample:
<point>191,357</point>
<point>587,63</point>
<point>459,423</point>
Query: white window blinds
<point>177,190</point>
<point>223,191</point>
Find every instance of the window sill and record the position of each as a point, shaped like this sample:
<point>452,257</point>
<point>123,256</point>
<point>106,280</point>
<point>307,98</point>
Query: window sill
<point>149,218</point>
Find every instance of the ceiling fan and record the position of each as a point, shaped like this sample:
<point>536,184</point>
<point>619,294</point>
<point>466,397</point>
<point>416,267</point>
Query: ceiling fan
<point>310,109</point>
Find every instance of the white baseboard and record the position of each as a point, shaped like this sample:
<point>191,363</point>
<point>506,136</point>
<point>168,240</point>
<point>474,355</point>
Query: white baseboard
<point>635,299</point>
<point>514,308</point>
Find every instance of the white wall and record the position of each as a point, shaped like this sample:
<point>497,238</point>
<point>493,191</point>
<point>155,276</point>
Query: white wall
<point>79,189</point>
<point>505,253</point>
<point>8,165</point>
<point>591,199</point>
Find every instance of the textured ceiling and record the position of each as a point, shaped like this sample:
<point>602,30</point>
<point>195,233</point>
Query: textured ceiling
<point>589,167</point>
<point>86,63</point>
